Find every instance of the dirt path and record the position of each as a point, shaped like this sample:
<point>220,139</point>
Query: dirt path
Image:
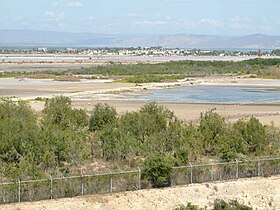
<point>260,193</point>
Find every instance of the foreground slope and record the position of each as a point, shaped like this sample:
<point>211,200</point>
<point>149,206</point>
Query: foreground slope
<point>261,193</point>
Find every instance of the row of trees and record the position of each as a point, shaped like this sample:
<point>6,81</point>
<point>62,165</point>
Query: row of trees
<point>143,73</point>
<point>186,67</point>
<point>34,144</point>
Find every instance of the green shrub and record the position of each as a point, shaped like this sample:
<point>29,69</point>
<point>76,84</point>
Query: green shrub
<point>102,115</point>
<point>189,207</point>
<point>232,205</point>
<point>218,205</point>
<point>157,169</point>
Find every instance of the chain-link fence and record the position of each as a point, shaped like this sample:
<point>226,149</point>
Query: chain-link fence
<point>52,188</point>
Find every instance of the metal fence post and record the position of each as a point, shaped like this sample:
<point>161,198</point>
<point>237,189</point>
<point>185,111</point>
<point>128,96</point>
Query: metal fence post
<point>191,173</point>
<point>139,178</point>
<point>111,182</point>
<point>259,166</point>
<point>51,183</point>
<point>82,183</point>
<point>212,171</point>
<point>19,191</point>
<point>237,169</point>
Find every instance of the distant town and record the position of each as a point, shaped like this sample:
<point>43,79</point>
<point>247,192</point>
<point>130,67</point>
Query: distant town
<point>139,51</point>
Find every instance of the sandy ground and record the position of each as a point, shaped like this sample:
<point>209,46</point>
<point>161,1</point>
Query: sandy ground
<point>30,67</point>
<point>77,58</point>
<point>266,113</point>
<point>87,93</point>
<point>260,193</point>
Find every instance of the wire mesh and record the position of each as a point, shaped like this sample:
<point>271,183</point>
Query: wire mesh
<point>247,169</point>
<point>9,193</point>
<point>96,184</point>
<point>66,187</point>
<point>201,173</point>
<point>180,176</point>
<point>224,171</point>
<point>33,190</point>
<point>125,182</point>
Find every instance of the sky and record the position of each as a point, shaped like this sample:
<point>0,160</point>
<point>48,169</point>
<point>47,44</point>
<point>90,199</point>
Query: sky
<point>213,17</point>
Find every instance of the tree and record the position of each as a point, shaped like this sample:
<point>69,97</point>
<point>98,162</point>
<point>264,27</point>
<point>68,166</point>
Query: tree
<point>59,112</point>
<point>19,143</point>
<point>102,115</point>
<point>63,132</point>
<point>253,134</point>
<point>157,169</point>
<point>154,119</point>
<point>211,126</point>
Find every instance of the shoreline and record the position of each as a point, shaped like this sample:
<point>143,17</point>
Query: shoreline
<point>47,88</point>
<point>121,93</point>
<point>87,94</point>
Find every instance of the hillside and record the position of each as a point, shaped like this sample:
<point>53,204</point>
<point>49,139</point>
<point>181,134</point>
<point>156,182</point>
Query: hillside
<point>17,38</point>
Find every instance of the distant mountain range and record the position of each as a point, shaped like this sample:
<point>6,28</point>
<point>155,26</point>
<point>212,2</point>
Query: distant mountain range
<point>17,38</point>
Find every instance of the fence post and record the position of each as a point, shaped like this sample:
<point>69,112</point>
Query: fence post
<point>51,179</point>
<point>139,178</point>
<point>111,182</point>
<point>212,171</point>
<point>82,182</point>
<point>191,173</point>
<point>259,166</point>
<point>19,191</point>
<point>237,169</point>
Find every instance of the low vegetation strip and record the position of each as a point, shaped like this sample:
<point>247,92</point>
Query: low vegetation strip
<point>166,71</point>
<point>257,193</point>
<point>63,141</point>
<point>153,176</point>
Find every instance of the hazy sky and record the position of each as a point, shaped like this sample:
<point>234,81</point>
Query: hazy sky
<point>221,17</point>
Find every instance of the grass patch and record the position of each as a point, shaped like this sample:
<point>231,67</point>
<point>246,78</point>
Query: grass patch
<point>151,78</point>
<point>38,76</point>
<point>39,99</point>
<point>67,78</point>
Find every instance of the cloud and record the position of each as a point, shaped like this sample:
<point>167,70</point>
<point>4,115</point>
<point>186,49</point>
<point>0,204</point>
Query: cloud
<point>157,20</point>
<point>132,14</point>
<point>185,1</point>
<point>151,23</point>
<point>51,16</point>
<point>240,23</point>
<point>178,0</point>
<point>90,18</point>
<point>74,4</point>
<point>211,22</point>
<point>17,18</point>
<point>182,23</point>
<point>242,0</point>
<point>55,4</point>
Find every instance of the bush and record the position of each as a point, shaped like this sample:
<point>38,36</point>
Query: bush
<point>157,169</point>
<point>232,205</point>
<point>102,115</point>
<point>218,205</point>
<point>189,207</point>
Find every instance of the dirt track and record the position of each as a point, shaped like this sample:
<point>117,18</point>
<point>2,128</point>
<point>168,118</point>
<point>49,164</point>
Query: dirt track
<point>260,193</point>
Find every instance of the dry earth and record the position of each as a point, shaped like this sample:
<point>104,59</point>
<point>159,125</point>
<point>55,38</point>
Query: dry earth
<point>260,193</point>
<point>87,93</point>
<point>266,113</point>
